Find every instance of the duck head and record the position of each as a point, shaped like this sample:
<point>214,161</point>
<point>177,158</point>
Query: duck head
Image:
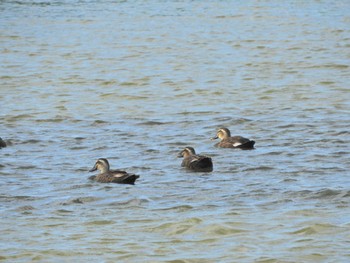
<point>187,152</point>
<point>222,133</point>
<point>102,165</point>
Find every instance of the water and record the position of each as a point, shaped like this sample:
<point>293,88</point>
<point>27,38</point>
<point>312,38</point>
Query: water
<point>135,82</point>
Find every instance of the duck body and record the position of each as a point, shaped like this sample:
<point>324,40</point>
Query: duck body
<point>119,177</point>
<point>111,176</point>
<point>195,162</point>
<point>228,141</point>
<point>236,142</point>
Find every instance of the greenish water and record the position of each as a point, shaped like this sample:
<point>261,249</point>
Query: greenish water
<point>135,82</point>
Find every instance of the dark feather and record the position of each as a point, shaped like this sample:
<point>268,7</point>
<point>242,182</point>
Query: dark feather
<point>119,177</point>
<point>198,163</point>
<point>236,142</point>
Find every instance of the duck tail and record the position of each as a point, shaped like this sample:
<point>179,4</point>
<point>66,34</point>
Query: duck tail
<point>247,146</point>
<point>130,179</point>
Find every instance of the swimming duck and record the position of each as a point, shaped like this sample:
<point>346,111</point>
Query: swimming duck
<point>232,142</point>
<point>2,143</point>
<point>111,176</point>
<point>197,163</point>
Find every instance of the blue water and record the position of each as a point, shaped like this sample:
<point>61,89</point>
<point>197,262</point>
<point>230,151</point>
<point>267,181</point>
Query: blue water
<point>136,82</point>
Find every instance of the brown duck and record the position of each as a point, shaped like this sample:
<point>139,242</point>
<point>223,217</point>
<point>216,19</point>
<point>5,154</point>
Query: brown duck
<point>194,162</point>
<point>111,176</point>
<point>227,141</point>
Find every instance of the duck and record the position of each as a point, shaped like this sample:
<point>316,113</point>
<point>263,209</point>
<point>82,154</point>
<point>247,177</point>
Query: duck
<point>227,141</point>
<point>195,162</point>
<point>2,143</point>
<point>111,176</point>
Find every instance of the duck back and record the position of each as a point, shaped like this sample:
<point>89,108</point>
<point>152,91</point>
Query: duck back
<point>198,163</point>
<point>119,177</point>
<point>236,142</point>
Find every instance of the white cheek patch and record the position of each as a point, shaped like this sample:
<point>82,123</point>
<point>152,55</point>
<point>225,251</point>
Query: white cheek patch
<point>102,163</point>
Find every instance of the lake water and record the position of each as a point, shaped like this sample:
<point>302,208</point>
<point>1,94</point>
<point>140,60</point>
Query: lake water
<point>135,82</point>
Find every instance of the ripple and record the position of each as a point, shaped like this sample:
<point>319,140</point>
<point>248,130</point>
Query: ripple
<point>329,194</point>
<point>315,229</point>
<point>153,123</point>
<point>19,117</point>
<point>98,122</point>
<point>77,148</point>
<point>181,208</point>
<point>81,200</point>
<point>130,203</point>
<point>53,120</point>
<point>262,168</point>
<point>18,197</point>
<point>32,141</point>
<point>25,208</point>
<point>220,230</point>
<point>100,222</point>
<point>27,167</point>
<point>177,228</point>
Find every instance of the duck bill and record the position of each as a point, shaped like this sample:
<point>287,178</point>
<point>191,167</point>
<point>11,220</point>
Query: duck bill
<point>93,169</point>
<point>214,138</point>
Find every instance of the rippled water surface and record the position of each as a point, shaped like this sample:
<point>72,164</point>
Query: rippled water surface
<point>135,82</point>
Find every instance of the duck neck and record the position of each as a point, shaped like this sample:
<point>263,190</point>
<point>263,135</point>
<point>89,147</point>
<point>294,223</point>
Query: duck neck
<point>104,169</point>
<point>187,154</point>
